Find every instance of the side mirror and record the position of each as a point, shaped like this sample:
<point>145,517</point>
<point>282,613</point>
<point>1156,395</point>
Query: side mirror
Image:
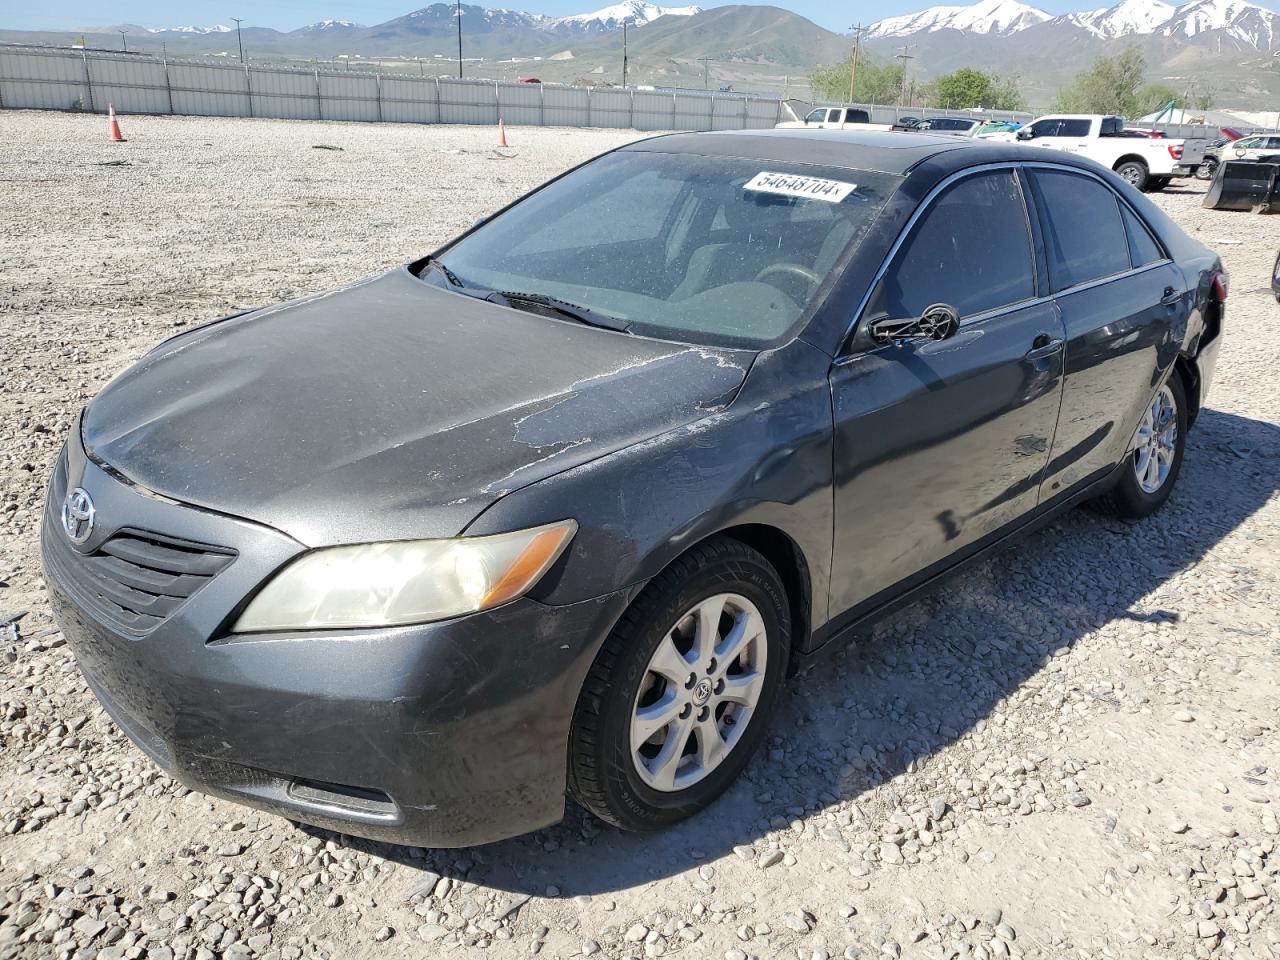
<point>939,321</point>
<point>1026,133</point>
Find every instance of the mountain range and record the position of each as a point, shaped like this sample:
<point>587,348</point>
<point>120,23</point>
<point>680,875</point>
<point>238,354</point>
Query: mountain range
<point>428,19</point>
<point>1241,24</point>
<point>1221,47</point>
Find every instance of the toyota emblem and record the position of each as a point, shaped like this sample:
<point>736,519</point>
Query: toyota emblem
<point>78,515</point>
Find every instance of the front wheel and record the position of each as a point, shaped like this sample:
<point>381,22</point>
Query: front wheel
<point>1152,466</point>
<point>1134,171</point>
<point>681,692</point>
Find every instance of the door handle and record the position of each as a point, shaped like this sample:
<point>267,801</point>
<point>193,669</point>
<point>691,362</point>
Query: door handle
<point>1043,347</point>
<point>1170,297</point>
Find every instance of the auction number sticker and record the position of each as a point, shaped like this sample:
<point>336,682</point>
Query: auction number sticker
<point>790,185</point>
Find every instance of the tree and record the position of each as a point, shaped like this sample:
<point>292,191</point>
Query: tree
<point>1153,97</point>
<point>876,84</point>
<point>1110,85</point>
<point>967,88</point>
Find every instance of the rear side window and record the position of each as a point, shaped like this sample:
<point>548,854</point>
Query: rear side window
<point>1085,236</point>
<point>971,249</point>
<point>1143,248</point>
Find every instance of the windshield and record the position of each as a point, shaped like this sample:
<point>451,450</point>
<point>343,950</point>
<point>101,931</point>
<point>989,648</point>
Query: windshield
<point>714,250</point>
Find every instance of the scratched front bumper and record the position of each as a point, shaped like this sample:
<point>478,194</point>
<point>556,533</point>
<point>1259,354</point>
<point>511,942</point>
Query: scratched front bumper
<point>447,734</point>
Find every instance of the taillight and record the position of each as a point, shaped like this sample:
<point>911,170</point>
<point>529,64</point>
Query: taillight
<point>1221,281</point>
<point>1175,151</point>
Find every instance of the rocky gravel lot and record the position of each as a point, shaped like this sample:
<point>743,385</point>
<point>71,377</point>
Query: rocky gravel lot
<point>1070,752</point>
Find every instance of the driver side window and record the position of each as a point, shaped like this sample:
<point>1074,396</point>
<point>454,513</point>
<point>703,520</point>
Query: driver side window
<point>816,116</point>
<point>971,249</point>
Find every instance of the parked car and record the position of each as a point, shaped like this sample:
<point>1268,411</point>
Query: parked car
<point>993,127</point>
<point>1145,164</point>
<point>835,118</point>
<point>960,126</point>
<point>1243,148</point>
<point>907,123</point>
<point>558,507</point>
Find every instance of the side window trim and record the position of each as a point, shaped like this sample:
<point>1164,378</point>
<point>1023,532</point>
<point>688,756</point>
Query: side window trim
<point>909,227</point>
<point>1031,200</point>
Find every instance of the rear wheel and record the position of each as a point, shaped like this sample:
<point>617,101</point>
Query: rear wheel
<point>1208,167</point>
<point>681,693</point>
<point>1134,171</point>
<point>1155,459</point>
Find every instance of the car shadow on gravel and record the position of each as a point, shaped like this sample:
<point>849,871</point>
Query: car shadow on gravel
<point>853,721</point>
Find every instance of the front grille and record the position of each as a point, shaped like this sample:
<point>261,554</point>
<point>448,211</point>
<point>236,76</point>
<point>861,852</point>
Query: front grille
<point>134,580</point>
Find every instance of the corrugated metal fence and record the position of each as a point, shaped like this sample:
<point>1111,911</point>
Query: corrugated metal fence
<point>88,80</point>
<point>65,79</point>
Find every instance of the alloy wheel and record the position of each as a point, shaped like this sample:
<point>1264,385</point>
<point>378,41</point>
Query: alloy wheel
<point>698,693</point>
<point>1156,442</point>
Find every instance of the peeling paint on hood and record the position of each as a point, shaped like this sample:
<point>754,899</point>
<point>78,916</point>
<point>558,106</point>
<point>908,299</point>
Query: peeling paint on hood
<point>390,409</point>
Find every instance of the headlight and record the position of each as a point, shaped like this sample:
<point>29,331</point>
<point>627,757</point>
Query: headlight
<point>404,581</point>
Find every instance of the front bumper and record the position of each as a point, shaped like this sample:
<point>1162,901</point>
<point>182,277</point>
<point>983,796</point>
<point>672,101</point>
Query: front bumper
<point>446,734</point>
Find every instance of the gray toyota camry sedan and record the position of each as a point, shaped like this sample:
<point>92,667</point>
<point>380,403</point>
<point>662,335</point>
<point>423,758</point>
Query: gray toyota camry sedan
<point>556,509</point>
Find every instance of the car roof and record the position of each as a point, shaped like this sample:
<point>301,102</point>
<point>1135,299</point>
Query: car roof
<point>896,152</point>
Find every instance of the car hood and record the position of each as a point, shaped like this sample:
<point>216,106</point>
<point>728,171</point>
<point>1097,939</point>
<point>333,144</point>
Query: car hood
<point>389,409</point>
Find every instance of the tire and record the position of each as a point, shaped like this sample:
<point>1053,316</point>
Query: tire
<point>1156,184</point>
<point>1134,497</point>
<point>1207,169</point>
<point>604,766</point>
<point>1135,172</point>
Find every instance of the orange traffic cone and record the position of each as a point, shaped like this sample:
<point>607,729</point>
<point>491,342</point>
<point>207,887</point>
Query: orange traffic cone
<point>113,125</point>
<point>502,133</point>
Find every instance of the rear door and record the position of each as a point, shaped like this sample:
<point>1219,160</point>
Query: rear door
<point>1119,295</point>
<point>940,444</point>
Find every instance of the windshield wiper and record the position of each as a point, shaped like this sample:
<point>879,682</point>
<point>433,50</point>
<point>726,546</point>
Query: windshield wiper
<point>448,274</point>
<point>573,311</point>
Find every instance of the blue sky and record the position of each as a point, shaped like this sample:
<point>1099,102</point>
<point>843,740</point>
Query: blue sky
<point>289,14</point>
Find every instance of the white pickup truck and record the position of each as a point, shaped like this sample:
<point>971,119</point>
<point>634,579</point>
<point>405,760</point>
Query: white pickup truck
<point>831,118</point>
<point>1147,163</point>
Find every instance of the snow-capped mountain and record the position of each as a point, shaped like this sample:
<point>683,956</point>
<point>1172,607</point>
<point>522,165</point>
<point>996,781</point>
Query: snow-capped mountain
<point>198,31</point>
<point>600,21</point>
<point>1248,23</point>
<point>1245,24</point>
<point>613,17</point>
<point>1125,18</point>
<point>331,26</point>
<point>993,17</point>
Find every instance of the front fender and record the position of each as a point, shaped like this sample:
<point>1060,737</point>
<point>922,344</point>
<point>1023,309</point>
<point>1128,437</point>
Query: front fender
<point>765,459</point>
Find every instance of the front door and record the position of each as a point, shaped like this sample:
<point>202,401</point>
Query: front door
<point>938,445</point>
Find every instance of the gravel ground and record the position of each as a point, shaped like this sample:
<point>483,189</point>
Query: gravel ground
<point>1070,752</point>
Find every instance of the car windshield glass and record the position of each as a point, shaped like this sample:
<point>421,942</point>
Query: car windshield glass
<point>716,250</point>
